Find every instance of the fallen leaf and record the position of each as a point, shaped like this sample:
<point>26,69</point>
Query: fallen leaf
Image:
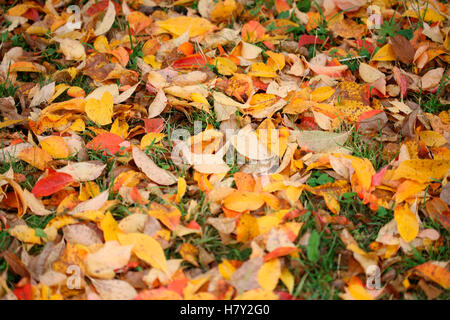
<point>151,170</point>
<point>145,248</point>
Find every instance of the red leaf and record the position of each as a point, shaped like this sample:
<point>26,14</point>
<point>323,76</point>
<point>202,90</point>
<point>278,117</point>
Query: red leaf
<point>51,184</point>
<point>106,141</point>
<point>193,61</point>
<point>367,115</point>
<point>23,293</point>
<point>32,14</point>
<point>101,6</point>
<point>193,225</point>
<point>259,84</point>
<point>154,125</point>
<point>285,295</point>
<point>365,44</point>
<point>269,44</point>
<point>401,81</point>
<point>308,39</point>
<point>377,178</point>
<point>308,123</point>
<point>178,285</point>
<point>279,252</point>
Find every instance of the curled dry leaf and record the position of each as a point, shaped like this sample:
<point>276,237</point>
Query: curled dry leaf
<point>321,141</point>
<point>158,104</point>
<point>114,289</point>
<point>369,74</point>
<point>84,171</point>
<point>151,170</point>
<point>92,204</point>
<point>102,263</point>
<point>108,20</point>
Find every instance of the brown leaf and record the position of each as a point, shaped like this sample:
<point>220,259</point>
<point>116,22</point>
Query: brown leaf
<point>445,194</point>
<point>246,277</point>
<point>403,49</point>
<point>16,265</point>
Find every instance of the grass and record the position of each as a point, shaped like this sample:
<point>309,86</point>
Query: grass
<point>317,264</point>
<point>366,148</point>
<point>430,102</point>
<point>7,88</point>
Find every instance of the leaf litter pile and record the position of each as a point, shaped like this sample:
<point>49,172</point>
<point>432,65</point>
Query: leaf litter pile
<point>335,114</point>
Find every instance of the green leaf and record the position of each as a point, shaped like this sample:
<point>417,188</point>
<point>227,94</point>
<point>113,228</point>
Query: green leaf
<point>304,5</point>
<point>349,195</point>
<point>407,33</point>
<point>312,250</point>
<point>40,233</point>
<point>324,178</point>
<point>283,15</point>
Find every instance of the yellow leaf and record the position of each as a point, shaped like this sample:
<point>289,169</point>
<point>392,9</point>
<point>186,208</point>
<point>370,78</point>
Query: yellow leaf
<point>428,14</point>
<point>226,269</point>
<point>25,234</point>
<point>269,274</point>
<point>181,189</point>
<point>197,97</point>
<point>421,170</point>
<point>225,66</point>
<point>100,111</point>
<point>386,53</point>
<point>146,248</point>
<point>223,10</point>
<point>78,125</point>
<point>88,190</point>
<point>432,138</point>
<point>276,61</point>
<point>266,223</point>
<point>151,60</point>
<point>179,25</point>
<point>260,69</point>
<point>151,138</point>
<point>257,294</point>
<point>61,221</point>
<point>322,93</point>
<point>189,253</point>
<point>120,127</point>
<point>101,44</point>
<point>407,223</point>
<point>288,279</point>
<point>55,146</point>
<point>247,229</point>
<point>8,123</point>
<point>110,227</point>
<point>357,290</point>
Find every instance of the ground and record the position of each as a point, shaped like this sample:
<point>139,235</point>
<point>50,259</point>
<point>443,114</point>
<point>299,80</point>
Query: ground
<point>333,116</point>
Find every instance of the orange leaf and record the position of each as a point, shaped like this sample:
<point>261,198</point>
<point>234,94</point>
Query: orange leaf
<point>252,31</point>
<point>36,157</point>
<point>107,142</point>
<point>244,181</point>
<point>436,273</point>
